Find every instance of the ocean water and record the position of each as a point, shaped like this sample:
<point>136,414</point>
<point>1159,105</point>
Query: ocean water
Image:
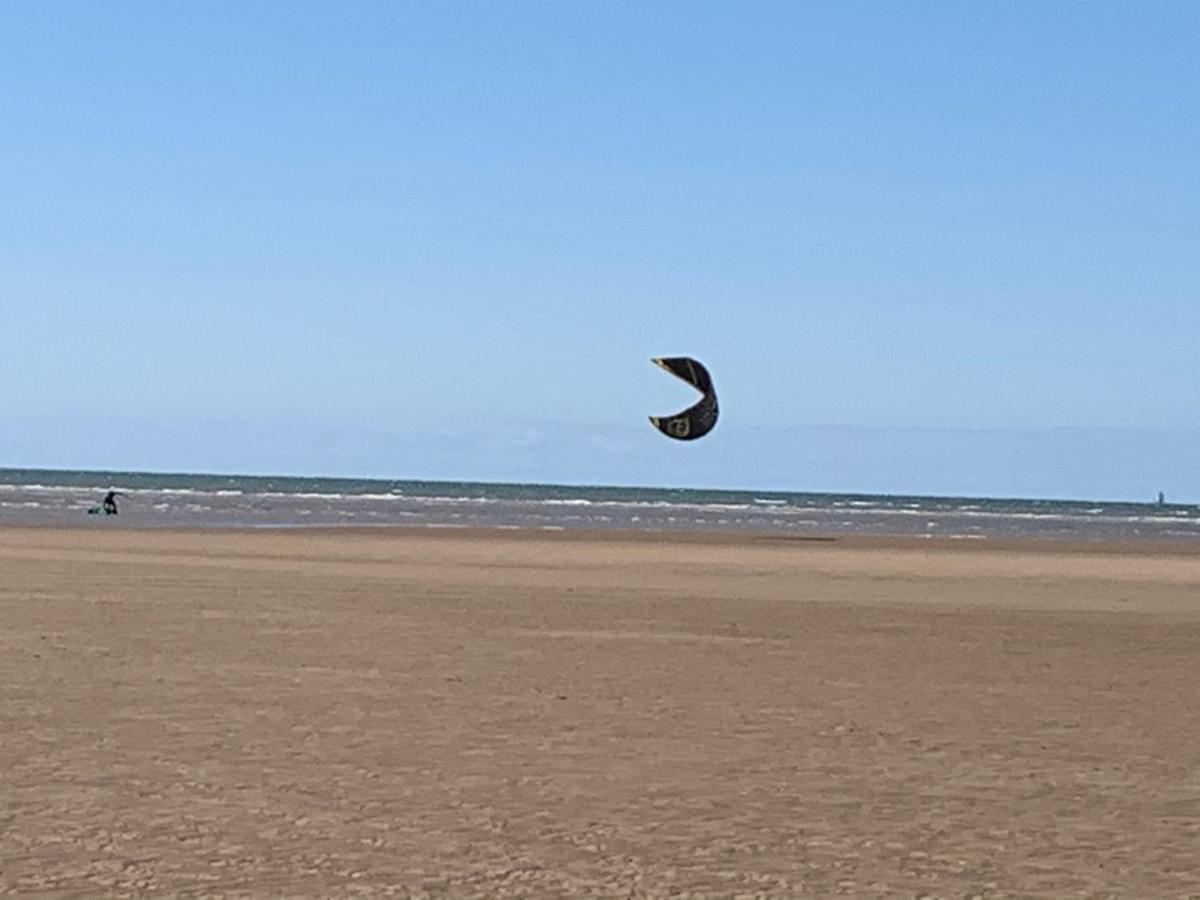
<point>52,497</point>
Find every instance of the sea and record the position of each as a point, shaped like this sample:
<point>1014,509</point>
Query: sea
<point>160,500</point>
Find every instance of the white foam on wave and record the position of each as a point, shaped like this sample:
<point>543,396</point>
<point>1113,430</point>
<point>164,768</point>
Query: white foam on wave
<point>46,488</point>
<point>300,495</point>
<point>442,501</point>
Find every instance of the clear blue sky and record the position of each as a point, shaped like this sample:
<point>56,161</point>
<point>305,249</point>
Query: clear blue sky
<point>949,248</point>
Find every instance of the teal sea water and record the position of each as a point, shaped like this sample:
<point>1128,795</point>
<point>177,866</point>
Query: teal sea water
<point>39,496</point>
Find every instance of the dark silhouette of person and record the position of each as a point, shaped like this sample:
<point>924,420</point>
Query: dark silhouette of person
<point>110,503</point>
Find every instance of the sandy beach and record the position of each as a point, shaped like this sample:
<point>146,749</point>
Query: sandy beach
<point>454,713</point>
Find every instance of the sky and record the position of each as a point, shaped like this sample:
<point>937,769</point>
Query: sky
<point>947,248</point>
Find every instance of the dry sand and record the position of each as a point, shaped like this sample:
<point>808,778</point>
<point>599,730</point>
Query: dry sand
<point>493,714</point>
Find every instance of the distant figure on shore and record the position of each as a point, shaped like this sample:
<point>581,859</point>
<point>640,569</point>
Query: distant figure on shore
<point>1162,500</point>
<point>110,503</point>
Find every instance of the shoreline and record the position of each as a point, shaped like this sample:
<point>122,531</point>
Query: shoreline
<point>1153,546</point>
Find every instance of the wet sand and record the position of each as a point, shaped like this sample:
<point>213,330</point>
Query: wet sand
<point>490,714</point>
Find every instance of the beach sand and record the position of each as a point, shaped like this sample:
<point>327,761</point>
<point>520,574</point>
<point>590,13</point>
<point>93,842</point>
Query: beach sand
<point>492,714</point>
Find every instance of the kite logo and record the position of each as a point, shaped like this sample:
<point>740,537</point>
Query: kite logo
<point>679,428</point>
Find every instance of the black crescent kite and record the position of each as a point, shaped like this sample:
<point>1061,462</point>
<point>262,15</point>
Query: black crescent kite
<point>695,421</point>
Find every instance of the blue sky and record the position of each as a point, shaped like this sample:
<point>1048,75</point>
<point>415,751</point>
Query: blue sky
<point>944,248</point>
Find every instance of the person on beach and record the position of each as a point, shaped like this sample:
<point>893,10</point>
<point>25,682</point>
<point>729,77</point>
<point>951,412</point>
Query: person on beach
<point>110,503</point>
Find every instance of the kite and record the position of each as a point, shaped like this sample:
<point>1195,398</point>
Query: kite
<point>695,421</point>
